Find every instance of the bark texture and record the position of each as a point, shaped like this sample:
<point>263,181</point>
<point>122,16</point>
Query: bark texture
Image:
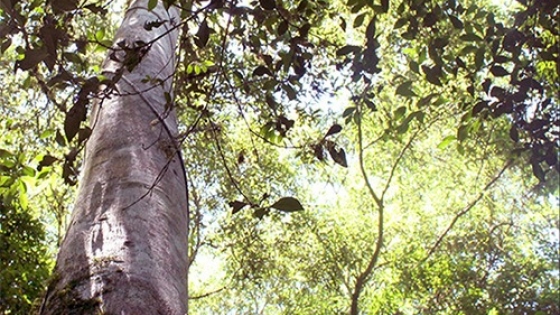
<point>125,251</point>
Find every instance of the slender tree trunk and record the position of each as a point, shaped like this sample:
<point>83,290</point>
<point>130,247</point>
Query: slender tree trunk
<point>125,251</point>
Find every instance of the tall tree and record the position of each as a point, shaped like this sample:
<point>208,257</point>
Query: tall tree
<point>125,251</point>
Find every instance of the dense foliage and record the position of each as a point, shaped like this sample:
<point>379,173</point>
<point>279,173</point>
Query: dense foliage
<point>24,258</point>
<point>419,137</point>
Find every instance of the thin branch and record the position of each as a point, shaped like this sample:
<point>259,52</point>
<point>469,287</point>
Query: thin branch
<point>402,153</point>
<point>465,210</point>
<point>398,160</point>
<point>176,148</point>
<point>363,277</point>
<point>375,141</point>
<point>207,294</point>
<point>213,130</point>
<point>224,163</point>
<point>197,226</point>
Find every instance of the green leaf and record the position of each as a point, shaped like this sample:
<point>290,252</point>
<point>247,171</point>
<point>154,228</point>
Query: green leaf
<point>347,49</point>
<point>399,112</point>
<point>426,99</point>
<point>84,134</point>
<point>370,105</point>
<point>432,75</point>
<point>60,6</point>
<point>69,174</point>
<point>167,96</point>
<point>358,6</point>
<point>152,4</point>
<point>414,66</point>
<point>479,58</point>
<point>478,107</point>
<point>385,5</point>
<point>5,154</point>
<point>304,30</point>
<point>261,212</point>
<point>237,206</point>
<point>462,133</point>
<point>271,102</point>
<point>5,45</point>
<point>282,28</point>
<point>267,4</point>
<point>538,171</point>
<point>499,71</point>
<point>343,24</point>
<point>334,129</point>
<point>405,89</point>
<point>400,23</point>
<point>46,161</point>
<point>460,62</point>
<point>6,181</point>
<point>359,20</point>
<point>23,200</point>
<point>338,156</point>
<point>514,134</point>
<point>348,111</point>
<point>403,127</point>
<point>418,115</point>
<point>471,37</point>
<point>59,138</point>
<point>47,133</point>
<point>458,24</point>
<point>409,34</point>
<point>357,117</point>
<point>287,204</point>
<point>28,171</point>
<point>501,59</point>
<point>260,71</point>
<point>202,35</point>
<point>430,19</point>
<point>446,141</point>
<point>302,5</point>
<point>100,34</point>
<point>96,9</point>
<point>468,49</point>
<point>371,28</point>
<point>32,58</point>
<point>73,119</point>
<point>289,91</point>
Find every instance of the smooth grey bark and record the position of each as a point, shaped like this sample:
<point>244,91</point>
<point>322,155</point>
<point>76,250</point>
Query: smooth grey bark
<point>125,251</point>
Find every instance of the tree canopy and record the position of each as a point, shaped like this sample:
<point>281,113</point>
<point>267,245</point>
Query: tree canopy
<point>395,157</point>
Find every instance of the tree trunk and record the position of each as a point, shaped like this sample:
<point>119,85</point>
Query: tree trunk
<point>125,251</point>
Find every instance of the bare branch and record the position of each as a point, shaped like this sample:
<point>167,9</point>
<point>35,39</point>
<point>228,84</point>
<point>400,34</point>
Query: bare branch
<point>363,277</point>
<point>466,209</point>
<point>207,294</point>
